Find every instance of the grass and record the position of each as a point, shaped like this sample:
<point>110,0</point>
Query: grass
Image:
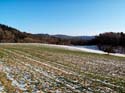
<point>49,69</point>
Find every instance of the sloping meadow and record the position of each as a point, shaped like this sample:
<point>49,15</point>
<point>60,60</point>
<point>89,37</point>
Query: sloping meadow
<point>37,68</point>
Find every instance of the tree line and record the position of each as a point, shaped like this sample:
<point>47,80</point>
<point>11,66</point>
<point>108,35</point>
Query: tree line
<point>110,42</point>
<point>111,38</point>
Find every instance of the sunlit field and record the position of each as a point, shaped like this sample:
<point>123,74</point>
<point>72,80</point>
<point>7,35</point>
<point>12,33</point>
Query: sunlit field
<point>37,68</point>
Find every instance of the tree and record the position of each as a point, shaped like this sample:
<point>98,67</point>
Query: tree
<point>109,49</point>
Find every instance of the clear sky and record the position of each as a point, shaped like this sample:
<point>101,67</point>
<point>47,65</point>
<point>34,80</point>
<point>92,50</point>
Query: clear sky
<point>70,17</point>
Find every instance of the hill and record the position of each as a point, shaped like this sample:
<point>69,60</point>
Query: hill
<point>12,35</point>
<point>76,37</point>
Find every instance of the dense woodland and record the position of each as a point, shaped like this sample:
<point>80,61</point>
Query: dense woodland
<point>110,38</point>
<point>111,42</point>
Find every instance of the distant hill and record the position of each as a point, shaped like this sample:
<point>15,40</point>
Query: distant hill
<point>11,35</point>
<point>76,37</point>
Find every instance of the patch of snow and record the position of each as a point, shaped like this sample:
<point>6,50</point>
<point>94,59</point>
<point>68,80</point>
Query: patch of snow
<point>83,49</point>
<point>1,88</point>
<point>94,47</point>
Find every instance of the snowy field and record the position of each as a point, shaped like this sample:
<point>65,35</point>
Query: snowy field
<point>45,68</point>
<point>94,47</point>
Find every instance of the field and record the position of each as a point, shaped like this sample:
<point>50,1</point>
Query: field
<point>35,68</point>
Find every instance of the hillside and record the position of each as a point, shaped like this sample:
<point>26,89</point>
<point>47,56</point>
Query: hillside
<point>12,35</point>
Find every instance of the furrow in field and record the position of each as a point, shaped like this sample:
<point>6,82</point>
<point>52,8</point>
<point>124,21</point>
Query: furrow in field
<point>94,64</point>
<point>69,86</point>
<point>31,70</point>
<point>45,64</point>
<point>88,66</point>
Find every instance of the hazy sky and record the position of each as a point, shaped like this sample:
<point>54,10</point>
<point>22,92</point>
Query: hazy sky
<point>71,17</point>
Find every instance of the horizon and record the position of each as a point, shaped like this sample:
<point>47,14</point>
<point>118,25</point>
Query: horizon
<point>66,17</point>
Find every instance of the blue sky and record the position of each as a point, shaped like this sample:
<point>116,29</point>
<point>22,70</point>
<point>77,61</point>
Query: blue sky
<point>70,17</point>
